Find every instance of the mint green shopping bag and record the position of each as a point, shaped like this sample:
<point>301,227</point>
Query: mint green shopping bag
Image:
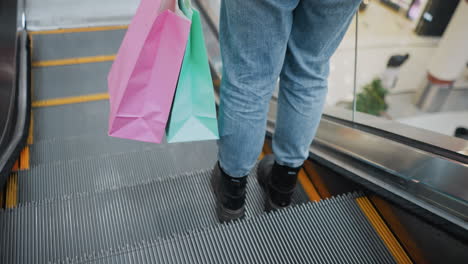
<point>193,115</point>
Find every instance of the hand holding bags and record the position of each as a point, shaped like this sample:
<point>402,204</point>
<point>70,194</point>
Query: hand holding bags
<point>193,115</point>
<point>144,75</point>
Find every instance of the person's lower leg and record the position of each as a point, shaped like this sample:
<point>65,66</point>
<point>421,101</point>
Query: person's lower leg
<point>251,66</point>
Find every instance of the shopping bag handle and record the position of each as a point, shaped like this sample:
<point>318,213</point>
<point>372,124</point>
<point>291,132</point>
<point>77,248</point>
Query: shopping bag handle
<point>186,7</point>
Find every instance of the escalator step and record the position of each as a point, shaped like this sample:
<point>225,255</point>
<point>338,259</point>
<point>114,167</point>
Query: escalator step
<point>61,178</point>
<point>73,148</point>
<point>70,80</point>
<point>72,120</point>
<point>331,231</point>
<point>89,223</point>
<point>76,44</point>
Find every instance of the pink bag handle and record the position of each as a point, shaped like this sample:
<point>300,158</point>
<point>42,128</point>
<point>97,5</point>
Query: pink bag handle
<point>172,5</point>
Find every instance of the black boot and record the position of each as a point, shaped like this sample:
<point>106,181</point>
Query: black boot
<point>230,194</point>
<point>278,183</point>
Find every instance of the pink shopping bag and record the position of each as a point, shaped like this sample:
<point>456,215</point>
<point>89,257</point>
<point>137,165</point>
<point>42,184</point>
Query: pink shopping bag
<point>144,75</point>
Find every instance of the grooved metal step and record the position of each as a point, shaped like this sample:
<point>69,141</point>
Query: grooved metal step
<point>64,121</point>
<point>56,179</point>
<point>73,148</point>
<point>76,44</point>
<point>70,80</point>
<point>89,223</point>
<point>331,231</point>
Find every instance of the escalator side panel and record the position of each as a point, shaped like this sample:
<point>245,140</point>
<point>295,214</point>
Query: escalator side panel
<point>417,235</point>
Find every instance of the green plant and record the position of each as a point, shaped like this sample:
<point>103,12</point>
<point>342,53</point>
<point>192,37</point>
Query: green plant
<point>372,99</point>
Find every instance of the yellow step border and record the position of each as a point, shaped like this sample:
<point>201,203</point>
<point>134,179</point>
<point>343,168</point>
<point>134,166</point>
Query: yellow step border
<point>260,157</point>
<point>77,30</point>
<point>71,100</point>
<point>398,229</point>
<point>316,180</point>
<point>308,186</point>
<point>11,197</point>
<point>31,129</point>
<point>73,61</point>
<point>383,231</point>
<point>24,159</point>
<point>15,166</point>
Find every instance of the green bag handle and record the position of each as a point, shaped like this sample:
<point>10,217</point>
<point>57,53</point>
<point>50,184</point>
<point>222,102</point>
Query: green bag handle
<point>186,7</point>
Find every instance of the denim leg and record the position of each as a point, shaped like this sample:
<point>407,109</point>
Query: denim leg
<point>253,39</point>
<point>318,28</point>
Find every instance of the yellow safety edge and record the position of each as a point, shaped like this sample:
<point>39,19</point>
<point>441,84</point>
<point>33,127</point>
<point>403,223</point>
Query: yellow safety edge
<point>24,159</point>
<point>73,61</point>
<point>71,100</point>
<point>11,199</point>
<point>76,30</point>
<point>384,232</point>
<point>31,129</point>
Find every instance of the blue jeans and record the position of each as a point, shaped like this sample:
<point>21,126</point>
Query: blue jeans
<point>262,40</point>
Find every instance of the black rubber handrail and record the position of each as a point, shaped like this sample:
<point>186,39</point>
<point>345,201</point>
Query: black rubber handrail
<point>14,85</point>
<point>410,141</point>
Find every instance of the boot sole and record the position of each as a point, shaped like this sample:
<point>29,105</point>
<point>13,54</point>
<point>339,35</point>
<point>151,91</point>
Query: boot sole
<point>224,214</point>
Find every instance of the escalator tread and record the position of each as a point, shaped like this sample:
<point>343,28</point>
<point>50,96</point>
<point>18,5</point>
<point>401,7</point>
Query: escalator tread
<point>83,119</point>
<point>80,147</point>
<point>68,81</point>
<point>330,231</point>
<point>56,179</point>
<point>84,223</point>
<point>76,44</point>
